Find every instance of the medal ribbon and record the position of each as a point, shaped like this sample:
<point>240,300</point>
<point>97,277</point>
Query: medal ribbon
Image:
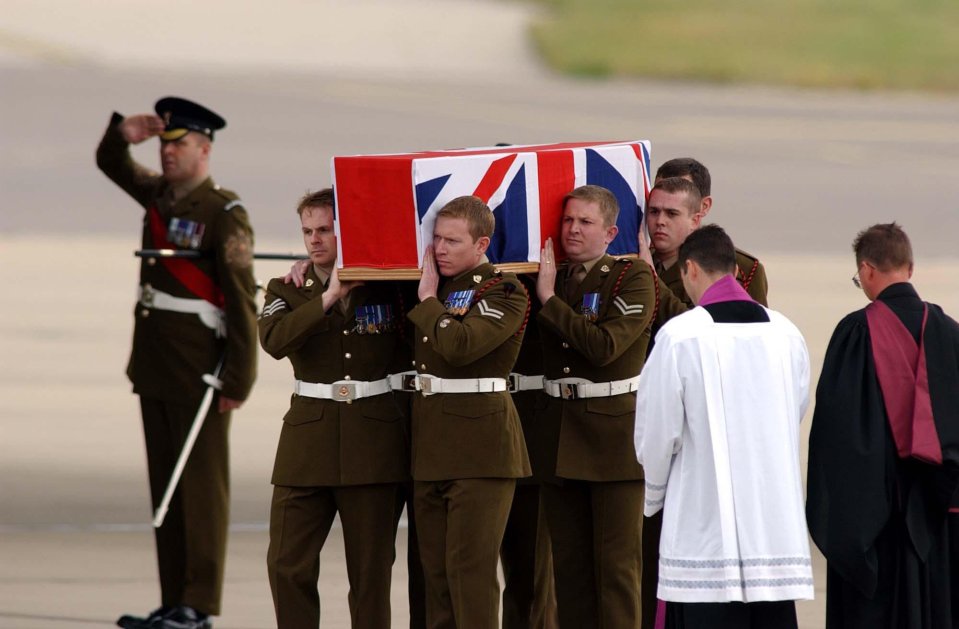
<point>184,271</point>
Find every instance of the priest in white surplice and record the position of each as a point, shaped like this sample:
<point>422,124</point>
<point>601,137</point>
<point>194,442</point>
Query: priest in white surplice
<point>717,432</point>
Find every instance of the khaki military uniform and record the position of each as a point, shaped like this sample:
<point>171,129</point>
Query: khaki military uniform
<point>347,457</point>
<point>593,498</point>
<point>467,447</point>
<point>673,301</point>
<point>529,598</point>
<point>172,350</point>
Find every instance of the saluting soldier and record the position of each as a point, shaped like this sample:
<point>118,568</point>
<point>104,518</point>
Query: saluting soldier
<point>342,447</point>
<point>678,202</point>
<point>194,317</point>
<point>594,326</point>
<point>467,440</point>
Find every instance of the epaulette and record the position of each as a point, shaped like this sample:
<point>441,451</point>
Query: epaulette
<point>231,198</point>
<point>749,256</point>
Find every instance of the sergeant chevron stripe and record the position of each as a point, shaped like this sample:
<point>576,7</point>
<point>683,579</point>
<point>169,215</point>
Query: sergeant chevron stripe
<point>489,311</point>
<point>626,309</point>
<point>279,304</point>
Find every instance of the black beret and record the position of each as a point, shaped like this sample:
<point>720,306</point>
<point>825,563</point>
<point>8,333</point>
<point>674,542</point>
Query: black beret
<point>182,116</point>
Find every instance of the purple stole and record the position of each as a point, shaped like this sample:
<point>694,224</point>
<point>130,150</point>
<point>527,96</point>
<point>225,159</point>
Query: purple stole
<point>904,382</point>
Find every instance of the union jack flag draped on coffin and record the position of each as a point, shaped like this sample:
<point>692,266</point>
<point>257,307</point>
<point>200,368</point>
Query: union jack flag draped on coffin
<point>386,204</point>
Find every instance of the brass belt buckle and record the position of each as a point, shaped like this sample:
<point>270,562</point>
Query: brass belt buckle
<point>147,295</point>
<point>568,391</point>
<point>344,391</point>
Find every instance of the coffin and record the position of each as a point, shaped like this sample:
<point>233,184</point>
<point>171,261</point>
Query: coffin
<point>386,204</point>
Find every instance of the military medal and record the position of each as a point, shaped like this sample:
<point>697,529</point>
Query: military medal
<point>184,233</point>
<point>458,303</point>
<point>376,319</point>
<point>590,306</point>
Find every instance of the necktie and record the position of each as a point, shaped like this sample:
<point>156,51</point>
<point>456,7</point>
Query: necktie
<point>575,277</point>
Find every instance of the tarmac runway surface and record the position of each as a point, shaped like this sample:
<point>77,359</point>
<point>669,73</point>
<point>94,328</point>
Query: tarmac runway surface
<point>796,175</point>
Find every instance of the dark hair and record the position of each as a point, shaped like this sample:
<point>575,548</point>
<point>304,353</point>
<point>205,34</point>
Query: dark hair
<point>674,185</point>
<point>606,200</point>
<point>687,167</point>
<point>885,245</point>
<point>479,218</point>
<point>711,248</point>
<point>320,198</point>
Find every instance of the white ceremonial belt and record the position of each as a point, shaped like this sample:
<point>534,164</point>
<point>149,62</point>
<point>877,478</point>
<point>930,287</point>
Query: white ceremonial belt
<point>577,388</point>
<point>519,382</point>
<point>211,316</point>
<point>342,390</point>
<point>429,385</point>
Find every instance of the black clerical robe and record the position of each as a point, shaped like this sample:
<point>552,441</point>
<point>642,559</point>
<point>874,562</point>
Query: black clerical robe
<point>880,519</point>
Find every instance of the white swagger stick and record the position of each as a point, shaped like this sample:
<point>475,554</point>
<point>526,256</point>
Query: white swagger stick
<point>213,383</point>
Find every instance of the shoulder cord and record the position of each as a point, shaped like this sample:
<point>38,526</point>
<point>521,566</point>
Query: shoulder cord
<point>747,280</point>
<point>493,282</point>
<point>401,316</point>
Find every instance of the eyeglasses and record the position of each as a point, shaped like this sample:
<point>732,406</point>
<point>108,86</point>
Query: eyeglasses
<point>855,278</point>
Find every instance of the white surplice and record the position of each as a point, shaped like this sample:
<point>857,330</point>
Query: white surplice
<point>717,433</point>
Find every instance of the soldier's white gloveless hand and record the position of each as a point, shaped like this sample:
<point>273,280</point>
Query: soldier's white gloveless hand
<point>297,273</point>
<point>136,129</point>
<point>546,279</point>
<point>430,279</point>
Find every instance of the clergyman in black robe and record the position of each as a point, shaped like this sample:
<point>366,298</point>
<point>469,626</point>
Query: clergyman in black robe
<point>884,452</point>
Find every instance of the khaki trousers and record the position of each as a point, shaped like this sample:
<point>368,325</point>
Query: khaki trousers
<point>595,528</point>
<point>300,521</point>
<point>191,544</point>
<point>529,598</point>
<point>460,526</point>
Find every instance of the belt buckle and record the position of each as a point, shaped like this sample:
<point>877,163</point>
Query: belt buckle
<point>568,391</point>
<point>147,295</point>
<point>512,382</point>
<point>344,391</point>
<point>408,382</point>
<point>425,385</point>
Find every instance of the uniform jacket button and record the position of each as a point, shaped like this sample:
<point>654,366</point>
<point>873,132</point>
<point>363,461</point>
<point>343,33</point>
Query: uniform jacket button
<point>423,366</point>
<point>565,369</point>
<point>426,339</point>
<point>151,261</point>
<point>565,345</point>
<point>347,355</point>
<point>145,313</point>
<point>347,377</point>
<point>345,332</point>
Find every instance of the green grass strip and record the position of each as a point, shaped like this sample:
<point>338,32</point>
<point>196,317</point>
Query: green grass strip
<point>889,44</point>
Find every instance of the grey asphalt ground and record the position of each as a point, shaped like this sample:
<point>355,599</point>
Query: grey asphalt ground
<point>796,174</point>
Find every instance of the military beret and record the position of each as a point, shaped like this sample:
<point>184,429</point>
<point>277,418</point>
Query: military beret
<point>182,116</point>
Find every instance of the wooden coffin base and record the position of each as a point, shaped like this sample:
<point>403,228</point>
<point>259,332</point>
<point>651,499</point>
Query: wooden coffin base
<point>368,273</point>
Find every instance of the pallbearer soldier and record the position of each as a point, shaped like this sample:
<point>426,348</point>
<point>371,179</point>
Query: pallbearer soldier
<point>678,202</point>
<point>342,448</point>
<point>594,326</point>
<point>192,315</point>
<point>669,226</point>
<point>467,441</point>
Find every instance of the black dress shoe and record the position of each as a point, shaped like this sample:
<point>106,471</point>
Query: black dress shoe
<point>142,622</point>
<point>182,617</point>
